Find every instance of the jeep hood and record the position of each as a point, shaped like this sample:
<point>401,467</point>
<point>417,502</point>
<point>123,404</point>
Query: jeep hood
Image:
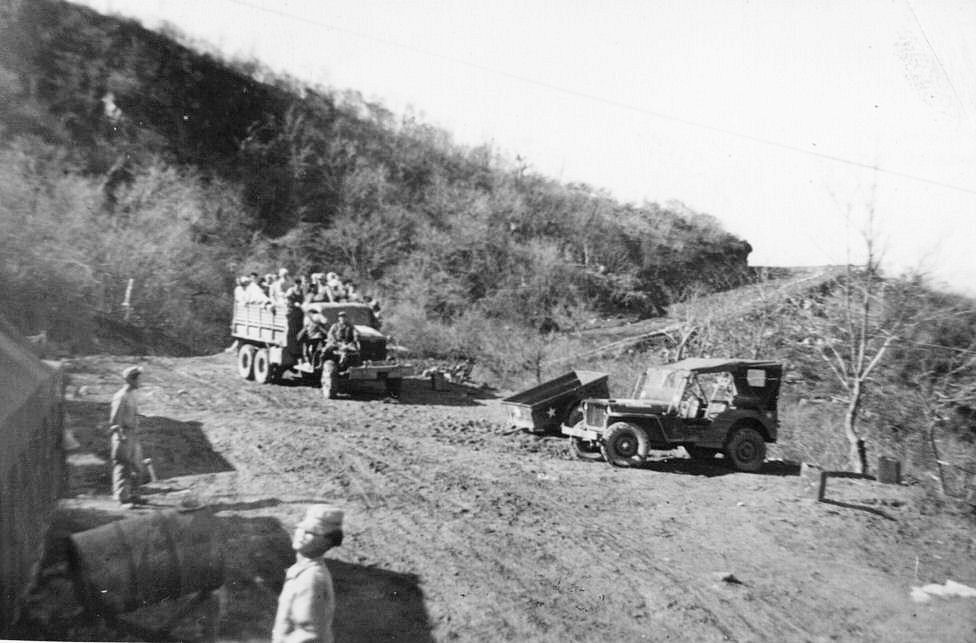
<point>636,405</point>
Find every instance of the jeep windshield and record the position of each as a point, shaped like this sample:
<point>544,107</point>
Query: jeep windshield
<point>662,384</point>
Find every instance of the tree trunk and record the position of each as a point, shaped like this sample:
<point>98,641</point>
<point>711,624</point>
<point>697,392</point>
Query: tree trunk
<point>938,457</point>
<point>857,455</point>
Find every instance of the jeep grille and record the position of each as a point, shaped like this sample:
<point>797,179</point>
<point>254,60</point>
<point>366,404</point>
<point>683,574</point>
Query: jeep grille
<point>595,415</point>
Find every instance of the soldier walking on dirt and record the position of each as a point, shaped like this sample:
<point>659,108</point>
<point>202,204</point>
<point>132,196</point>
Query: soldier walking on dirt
<point>307,602</point>
<point>127,463</point>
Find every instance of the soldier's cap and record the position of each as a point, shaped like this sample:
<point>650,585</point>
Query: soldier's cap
<point>341,313</point>
<point>131,372</point>
<point>282,272</point>
<point>322,519</point>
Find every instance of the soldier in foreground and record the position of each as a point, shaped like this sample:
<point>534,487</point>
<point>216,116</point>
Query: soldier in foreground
<point>127,463</point>
<point>307,602</point>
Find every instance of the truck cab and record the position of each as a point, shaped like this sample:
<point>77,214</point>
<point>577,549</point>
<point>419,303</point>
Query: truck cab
<point>707,406</point>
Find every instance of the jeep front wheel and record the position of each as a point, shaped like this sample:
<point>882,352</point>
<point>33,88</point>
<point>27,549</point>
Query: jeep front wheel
<point>746,449</point>
<point>624,445</point>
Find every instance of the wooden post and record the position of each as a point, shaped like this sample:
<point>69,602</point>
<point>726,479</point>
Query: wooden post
<point>126,304</point>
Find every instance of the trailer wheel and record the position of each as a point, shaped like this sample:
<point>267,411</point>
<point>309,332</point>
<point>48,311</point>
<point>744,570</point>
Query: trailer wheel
<point>625,445</point>
<point>262,366</point>
<point>329,379</point>
<point>583,450</point>
<point>746,449</point>
<point>245,361</point>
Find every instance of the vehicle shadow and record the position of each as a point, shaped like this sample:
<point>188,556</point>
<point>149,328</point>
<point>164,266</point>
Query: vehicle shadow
<point>414,391</point>
<point>717,467</point>
<point>176,448</point>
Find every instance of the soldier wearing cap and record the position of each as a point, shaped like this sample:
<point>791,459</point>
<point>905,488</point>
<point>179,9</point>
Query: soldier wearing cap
<point>127,461</point>
<point>307,602</point>
<point>343,338</point>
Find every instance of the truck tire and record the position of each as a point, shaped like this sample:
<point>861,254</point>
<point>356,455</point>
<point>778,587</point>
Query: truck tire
<point>245,361</point>
<point>329,368</point>
<point>625,445</point>
<point>262,366</point>
<point>746,449</point>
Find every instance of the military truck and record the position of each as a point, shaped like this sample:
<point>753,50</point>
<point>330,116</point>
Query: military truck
<point>707,406</point>
<point>270,343</point>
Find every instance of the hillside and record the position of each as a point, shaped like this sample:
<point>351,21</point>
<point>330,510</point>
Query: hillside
<point>128,154</point>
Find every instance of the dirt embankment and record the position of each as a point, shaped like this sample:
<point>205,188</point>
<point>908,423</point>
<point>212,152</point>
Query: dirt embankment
<point>458,528</point>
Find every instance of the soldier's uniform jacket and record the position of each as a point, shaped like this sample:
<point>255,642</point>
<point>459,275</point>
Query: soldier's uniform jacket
<point>306,605</point>
<point>343,334</point>
<point>124,411</point>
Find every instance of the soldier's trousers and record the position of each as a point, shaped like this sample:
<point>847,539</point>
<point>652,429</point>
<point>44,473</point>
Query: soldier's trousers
<point>127,465</point>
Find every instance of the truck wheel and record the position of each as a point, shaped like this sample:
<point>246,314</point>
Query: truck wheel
<point>262,366</point>
<point>625,445</point>
<point>328,379</point>
<point>746,449</point>
<point>245,361</point>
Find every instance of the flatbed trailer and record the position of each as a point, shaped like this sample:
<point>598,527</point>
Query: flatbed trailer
<point>544,408</point>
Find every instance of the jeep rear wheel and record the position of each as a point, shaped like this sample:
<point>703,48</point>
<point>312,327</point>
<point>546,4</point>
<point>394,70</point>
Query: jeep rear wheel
<point>245,361</point>
<point>746,449</point>
<point>624,445</point>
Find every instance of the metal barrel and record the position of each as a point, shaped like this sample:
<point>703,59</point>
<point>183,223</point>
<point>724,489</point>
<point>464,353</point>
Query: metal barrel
<point>129,564</point>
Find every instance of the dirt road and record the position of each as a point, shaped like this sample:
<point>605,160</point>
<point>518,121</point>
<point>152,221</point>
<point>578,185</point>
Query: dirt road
<point>459,529</point>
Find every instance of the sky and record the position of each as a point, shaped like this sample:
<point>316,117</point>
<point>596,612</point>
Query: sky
<point>789,121</point>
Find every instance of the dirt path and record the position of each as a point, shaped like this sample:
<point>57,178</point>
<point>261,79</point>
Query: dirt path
<point>459,529</point>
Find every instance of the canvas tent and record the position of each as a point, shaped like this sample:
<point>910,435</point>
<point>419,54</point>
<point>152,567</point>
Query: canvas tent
<point>31,463</point>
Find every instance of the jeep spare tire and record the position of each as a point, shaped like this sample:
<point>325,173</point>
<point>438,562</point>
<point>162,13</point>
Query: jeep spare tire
<point>746,449</point>
<point>624,445</point>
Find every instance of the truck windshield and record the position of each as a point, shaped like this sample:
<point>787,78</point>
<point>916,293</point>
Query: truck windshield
<point>663,384</point>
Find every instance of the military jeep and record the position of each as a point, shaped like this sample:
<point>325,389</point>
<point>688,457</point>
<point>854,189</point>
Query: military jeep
<point>707,406</point>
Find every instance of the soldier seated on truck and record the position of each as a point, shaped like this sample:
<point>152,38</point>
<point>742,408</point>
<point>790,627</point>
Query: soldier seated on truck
<point>311,336</point>
<point>343,338</point>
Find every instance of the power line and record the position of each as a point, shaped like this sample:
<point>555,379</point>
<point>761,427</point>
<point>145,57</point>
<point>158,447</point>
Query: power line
<point>607,101</point>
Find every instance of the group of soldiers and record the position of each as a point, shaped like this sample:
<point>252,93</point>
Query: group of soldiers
<point>306,605</point>
<point>283,291</point>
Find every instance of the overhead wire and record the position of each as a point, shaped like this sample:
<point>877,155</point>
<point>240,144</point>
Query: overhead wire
<point>601,99</point>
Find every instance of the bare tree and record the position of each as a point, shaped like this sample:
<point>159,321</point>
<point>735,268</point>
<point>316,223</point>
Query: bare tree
<point>854,331</point>
<point>943,364</point>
